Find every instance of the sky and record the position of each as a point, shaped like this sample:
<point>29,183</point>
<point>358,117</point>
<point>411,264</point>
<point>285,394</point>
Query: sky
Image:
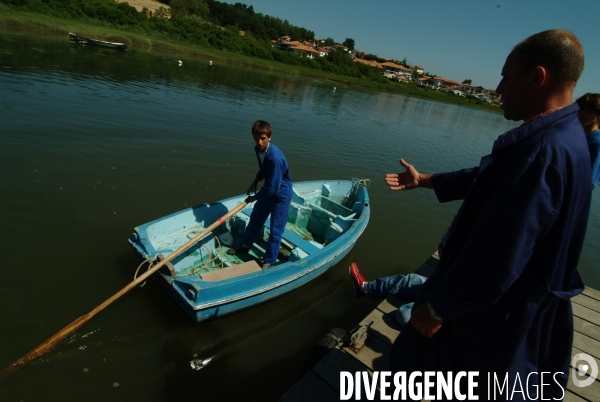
<point>461,39</point>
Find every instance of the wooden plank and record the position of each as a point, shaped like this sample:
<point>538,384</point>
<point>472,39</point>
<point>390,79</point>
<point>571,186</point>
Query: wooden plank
<point>590,393</point>
<point>586,313</point>
<point>384,330</point>
<point>587,301</point>
<point>586,328</point>
<point>587,344</point>
<point>574,351</point>
<point>571,397</point>
<point>425,270</point>
<point>231,272</point>
<point>433,260</point>
<point>375,355</point>
<point>592,293</point>
<point>310,388</point>
<point>328,369</point>
<point>390,304</point>
<point>385,326</point>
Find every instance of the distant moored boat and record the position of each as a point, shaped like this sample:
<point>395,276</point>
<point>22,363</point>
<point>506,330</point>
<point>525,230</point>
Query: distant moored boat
<point>94,42</point>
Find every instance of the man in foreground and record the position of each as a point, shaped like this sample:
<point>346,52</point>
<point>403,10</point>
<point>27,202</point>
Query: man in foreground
<point>499,301</point>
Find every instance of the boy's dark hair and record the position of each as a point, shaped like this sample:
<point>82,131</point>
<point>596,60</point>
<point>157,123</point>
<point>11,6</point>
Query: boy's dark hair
<point>557,49</point>
<point>261,127</point>
<point>590,102</point>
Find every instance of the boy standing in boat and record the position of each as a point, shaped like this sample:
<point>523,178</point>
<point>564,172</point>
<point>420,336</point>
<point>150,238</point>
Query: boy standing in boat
<point>273,198</point>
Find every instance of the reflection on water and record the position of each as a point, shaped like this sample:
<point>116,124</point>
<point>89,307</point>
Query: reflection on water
<point>96,142</point>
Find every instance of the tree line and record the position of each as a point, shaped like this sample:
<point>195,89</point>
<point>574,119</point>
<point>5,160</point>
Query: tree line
<point>205,23</point>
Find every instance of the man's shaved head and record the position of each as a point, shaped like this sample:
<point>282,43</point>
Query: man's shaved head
<point>557,50</point>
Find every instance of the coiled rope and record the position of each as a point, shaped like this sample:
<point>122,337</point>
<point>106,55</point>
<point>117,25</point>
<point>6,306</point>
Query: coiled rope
<point>216,260</point>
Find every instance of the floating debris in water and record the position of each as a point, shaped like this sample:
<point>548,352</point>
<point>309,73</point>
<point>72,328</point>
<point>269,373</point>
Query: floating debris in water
<point>90,333</point>
<point>115,384</point>
<point>71,339</point>
<point>85,370</point>
<point>198,364</point>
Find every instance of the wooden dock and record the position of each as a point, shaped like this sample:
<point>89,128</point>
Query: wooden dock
<point>322,382</point>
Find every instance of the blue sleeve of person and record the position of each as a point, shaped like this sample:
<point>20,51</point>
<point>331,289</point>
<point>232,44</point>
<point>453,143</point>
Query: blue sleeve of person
<point>594,145</point>
<point>272,172</point>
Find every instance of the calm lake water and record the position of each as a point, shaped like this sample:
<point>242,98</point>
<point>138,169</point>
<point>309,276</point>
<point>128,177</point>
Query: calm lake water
<point>95,143</point>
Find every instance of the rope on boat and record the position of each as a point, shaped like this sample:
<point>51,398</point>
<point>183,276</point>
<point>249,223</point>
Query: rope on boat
<point>356,185</point>
<point>197,270</point>
<point>216,256</point>
<point>151,262</point>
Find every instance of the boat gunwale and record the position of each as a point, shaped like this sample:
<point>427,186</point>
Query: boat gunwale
<point>142,232</point>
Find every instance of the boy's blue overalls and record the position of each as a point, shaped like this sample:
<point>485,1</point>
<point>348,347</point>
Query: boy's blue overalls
<point>273,198</point>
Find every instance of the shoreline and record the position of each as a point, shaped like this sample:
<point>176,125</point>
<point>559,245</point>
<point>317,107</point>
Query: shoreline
<point>39,23</point>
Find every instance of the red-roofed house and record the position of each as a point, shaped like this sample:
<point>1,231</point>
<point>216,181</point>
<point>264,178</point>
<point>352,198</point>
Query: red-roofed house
<point>323,51</point>
<point>438,83</point>
<point>446,82</point>
<point>370,63</point>
<point>492,93</point>
<point>286,45</point>
<point>305,51</point>
<point>427,82</point>
<point>474,90</point>
<point>396,69</point>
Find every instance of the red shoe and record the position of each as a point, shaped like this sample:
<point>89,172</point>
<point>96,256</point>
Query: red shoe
<point>357,280</point>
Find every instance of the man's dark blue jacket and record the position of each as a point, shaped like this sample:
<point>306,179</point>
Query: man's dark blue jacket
<point>509,267</point>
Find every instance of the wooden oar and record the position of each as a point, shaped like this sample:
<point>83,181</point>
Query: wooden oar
<point>75,325</point>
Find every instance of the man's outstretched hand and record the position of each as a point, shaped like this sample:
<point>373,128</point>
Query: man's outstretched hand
<point>409,179</point>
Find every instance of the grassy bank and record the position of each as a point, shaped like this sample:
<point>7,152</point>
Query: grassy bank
<point>11,19</point>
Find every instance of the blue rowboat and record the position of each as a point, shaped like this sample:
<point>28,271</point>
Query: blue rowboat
<point>325,220</point>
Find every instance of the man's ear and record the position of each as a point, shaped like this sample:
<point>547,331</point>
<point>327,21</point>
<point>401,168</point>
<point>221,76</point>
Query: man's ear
<point>539,76</point>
